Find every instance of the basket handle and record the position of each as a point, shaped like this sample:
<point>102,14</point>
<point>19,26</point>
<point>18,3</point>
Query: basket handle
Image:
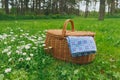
<point>65,26</point>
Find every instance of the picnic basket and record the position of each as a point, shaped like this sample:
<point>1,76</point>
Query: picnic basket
<point>57,45</point>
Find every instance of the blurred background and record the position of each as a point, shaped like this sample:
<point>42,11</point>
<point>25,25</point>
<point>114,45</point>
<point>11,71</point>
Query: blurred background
<point>13,9</point>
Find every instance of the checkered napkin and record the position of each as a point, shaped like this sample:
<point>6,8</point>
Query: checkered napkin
<point>81,46</point>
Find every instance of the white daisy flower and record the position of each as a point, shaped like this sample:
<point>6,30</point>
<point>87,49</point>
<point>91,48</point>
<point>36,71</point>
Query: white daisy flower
<point>43,45</point>
<point>18,47</point>
<point>24,53</point>
<point>31,55</point>
<point>40,38</point>
<point>20,59</point>
<point>12,40</point>
<point>27,34</point>
<point>18,51</point>
<point>9,47</point>
<point>4,36</point>
<point>27,47</point>
<point>28,59</point>
<point>21,36</point>
<point>8,53</point>
<point>45,30</point>
<point>8,70</point>
<point>5,42</point>
<point>5,50</point>
<point>43,35</point>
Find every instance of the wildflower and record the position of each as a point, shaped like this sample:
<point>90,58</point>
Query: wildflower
<point>40,38</point>
<point>18,51</point>
<point>28,59</point>
<point>33,36</point>
<point>36,43</point>
<point>27,46</point>
<point>7,70</point>
<point>45,30</point>
<point>112,60</point>
<point>24,53</point>
<point>31,55</point>
<point>4,36</point>
<point>27,34</point>
<point>9,47</point>
<point>21,36</point>
<point>32,40</point>
<point>8,53</point>
<point>43,35</point>
<point>5,50</point>
<point>13,38</point>
<point>5,42</point>
<point>43,45</point>
<point>18,47</point>
<point>20,59</point>
<point>21,47</point>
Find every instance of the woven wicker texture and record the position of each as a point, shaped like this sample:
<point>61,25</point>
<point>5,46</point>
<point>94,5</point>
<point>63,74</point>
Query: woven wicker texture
<point>60,50</point>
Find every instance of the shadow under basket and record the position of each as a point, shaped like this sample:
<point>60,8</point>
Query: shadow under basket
<point>56,44</point>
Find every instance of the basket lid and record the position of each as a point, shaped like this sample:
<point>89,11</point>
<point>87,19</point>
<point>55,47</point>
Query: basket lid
<point>71,33</point>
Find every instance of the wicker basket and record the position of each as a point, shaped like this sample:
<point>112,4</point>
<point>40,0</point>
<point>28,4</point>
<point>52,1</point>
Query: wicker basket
<point>57,45</point>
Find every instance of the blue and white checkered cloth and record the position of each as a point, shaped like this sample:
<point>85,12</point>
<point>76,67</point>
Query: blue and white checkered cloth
<point>81,46</point>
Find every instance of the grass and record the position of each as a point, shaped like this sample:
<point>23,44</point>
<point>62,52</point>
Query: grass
<point>30,35</point>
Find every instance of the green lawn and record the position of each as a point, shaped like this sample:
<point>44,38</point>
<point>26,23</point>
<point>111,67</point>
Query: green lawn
<point>22,56</point>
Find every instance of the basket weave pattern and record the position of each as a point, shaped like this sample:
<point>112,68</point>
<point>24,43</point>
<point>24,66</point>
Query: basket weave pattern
<point>60,50</point>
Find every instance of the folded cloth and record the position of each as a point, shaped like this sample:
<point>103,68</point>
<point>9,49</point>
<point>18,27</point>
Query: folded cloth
<point>81,46</point>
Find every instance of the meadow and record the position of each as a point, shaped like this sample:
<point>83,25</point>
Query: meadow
<point>22,55</point>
